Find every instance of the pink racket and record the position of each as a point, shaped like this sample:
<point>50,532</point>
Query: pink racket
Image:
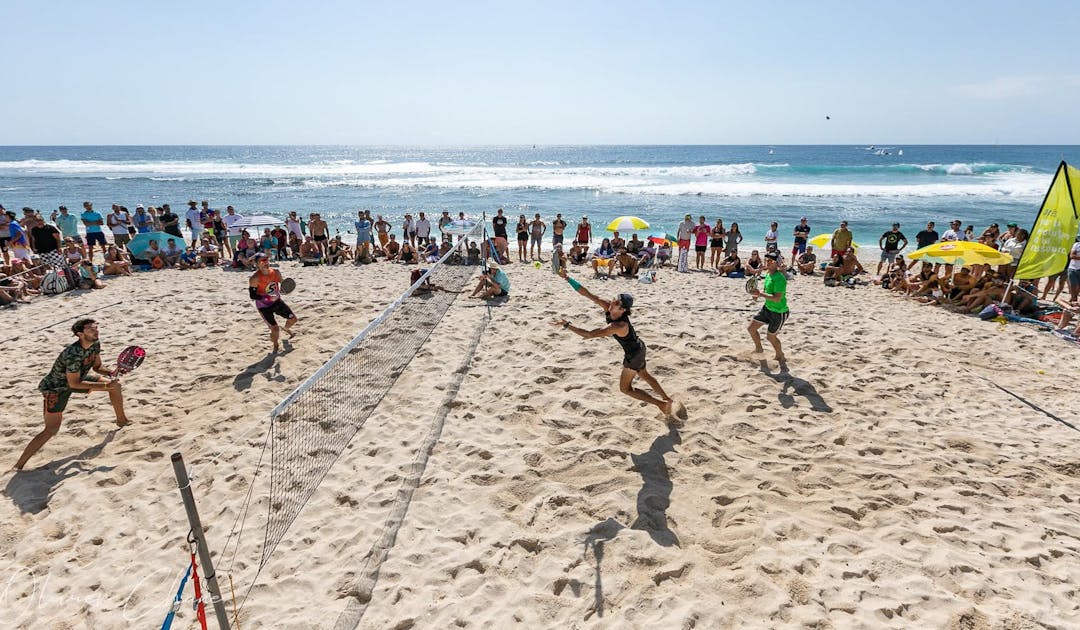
<point>130,358</point>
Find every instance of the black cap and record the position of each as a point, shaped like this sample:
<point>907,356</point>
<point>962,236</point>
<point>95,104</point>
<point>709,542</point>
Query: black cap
<point>626,300</point>
<point>773,255</point>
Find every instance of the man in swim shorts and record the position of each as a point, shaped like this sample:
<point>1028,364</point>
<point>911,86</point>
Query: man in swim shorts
<point>617,315</point>
<point>774,313</point>
<point>264,287</point>
<point>70,374</point>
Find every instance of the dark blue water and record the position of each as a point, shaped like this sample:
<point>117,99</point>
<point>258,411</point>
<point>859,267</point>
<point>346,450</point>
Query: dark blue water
<point>751,185</point>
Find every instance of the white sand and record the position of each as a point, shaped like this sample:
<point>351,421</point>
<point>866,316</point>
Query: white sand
<point>882,481</point>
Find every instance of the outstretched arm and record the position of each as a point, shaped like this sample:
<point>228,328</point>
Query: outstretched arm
<point>615,328</point>
<point>582,290</point>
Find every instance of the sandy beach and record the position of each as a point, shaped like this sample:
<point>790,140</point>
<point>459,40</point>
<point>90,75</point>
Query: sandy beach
<point>909,468</point>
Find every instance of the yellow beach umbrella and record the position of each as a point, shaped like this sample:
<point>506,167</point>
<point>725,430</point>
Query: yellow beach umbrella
<point>821,240</point>
<point>963,253</point>
<point>627,224</point>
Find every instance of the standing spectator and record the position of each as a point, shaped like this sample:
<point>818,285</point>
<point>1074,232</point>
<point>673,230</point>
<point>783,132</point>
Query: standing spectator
<point>1014,247</point>
<point>382,228</point>
<point>20,241</point>
<point>68,224</point>
<point>926,237</point>
<point>716,242</point>
<point>1074,272</point>
<point>522,237</point>
<point>772,238</point>
<point>154,220</point>
<point>954,233</point>
<point>584,232</point>
<point>841,239</point>
<point>734,237</point>
<point>701,233</point>
<point>537,228</point>
<point>363,236</point>
<point>46,240</point>
<point>423,229</point>
<point>1010,232</point>
<point>444,221</point>
<point>498,223</point>
<point>293,226</point>
<point>230,219</point>
<point>891,243</point>
<point>683,234</point>
<point>320,232</point>
<point>170,222</point>
<point>94,234</point>
<point>142,221</point>
<point>119,221</point>
<point>408,230</point>
<point>558,226</point>
<point>801,233</point>
<point>194,220</point>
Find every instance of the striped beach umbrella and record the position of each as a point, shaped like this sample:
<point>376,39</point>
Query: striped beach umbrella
<point>627,224</point>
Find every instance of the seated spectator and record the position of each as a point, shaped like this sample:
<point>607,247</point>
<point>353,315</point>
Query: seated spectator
<point>445,247</point>
<point>171,253</point>
<point>625,264</point>
<point>295,245</point>
<point>408,254</point>
<point>842,267</point>
<point>473,253</point>
<point>310,254</point>
<point>209,253</point>
<point>281,242</point>
<point>190,259</point>
<point>754,264</point>
<point>606,250</point>
<point>116,262</point>
<point>646,255</point>
<point>579,253</point>
<point>88,278</point>
<point>392,248</point>
<point>431,252</point>
<point>73,252</point>
<point>807,261</point>
<point>663,253</point>
<point>267,243</point>
<point>15,288</point>
<point>634,245</point>
<point>335,253</point>
<point>731,267</point>
<point>617,242</point>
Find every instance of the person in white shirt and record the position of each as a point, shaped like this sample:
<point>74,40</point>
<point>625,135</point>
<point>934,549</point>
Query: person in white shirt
<point>194,222</point>
<point>954,233</point>
<point>118,222</point>
<point>423,229</point>
<point>292,224</point>
<point>1074,271</point>
<point>408,231</point>
<point>772,238</point>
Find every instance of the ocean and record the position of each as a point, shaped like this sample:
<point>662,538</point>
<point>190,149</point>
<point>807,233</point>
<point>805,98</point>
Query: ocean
<point>869,186</point>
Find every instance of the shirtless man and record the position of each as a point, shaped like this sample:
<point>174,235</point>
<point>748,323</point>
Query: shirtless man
<point>382,228</point>
<point>626,264</point>
<point>320,232</point>
<point>844,265</point>
<point>70,374</point>
<point>536,234</point>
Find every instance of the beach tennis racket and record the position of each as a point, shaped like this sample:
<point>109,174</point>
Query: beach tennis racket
<point>751,285</point>
<point>287,285</point>
<point>130,358</point>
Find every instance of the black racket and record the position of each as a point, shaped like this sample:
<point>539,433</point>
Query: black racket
<point>130,358</point>
<point>287,285</point>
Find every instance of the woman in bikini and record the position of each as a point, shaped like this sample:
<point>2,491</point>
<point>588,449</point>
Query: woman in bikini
<point>522,238</point>
<point>617,315</point>
<point>716,244</point>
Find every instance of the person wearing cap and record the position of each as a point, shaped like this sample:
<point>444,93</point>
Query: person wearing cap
<point>774,313</point>
<point>841,239</point>
<point>584,232</point>
<point>617,316</point>
<point>70,374</point>
<point>891,243</point>
<point>954,233</point>
<point>68,224</point>
<point>801,233</point>
<point>264,287</point>
<point>493,283</point>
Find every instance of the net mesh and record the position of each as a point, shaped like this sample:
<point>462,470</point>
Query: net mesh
<point>312,427</point>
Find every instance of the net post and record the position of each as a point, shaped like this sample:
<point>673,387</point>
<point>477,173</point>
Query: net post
<point>209,575</point>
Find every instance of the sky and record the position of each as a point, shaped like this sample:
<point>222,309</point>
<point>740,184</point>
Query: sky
<point>551,72</point>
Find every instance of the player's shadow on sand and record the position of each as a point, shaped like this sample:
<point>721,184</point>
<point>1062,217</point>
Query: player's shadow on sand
<point>653,500</point>
<point>797,386</point>
<point>243,380</point>
<point>31,490</point>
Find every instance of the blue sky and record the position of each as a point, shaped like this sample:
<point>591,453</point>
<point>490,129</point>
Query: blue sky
<point>539,72</point>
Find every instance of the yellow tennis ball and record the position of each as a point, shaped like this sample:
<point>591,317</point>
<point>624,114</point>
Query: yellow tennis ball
<point>537,264</point>
<point>1042,371</point>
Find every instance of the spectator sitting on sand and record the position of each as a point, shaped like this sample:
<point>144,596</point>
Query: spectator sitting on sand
<point>116,262</point>
<point>492,284</point>
<point>172,253</point>
<point>310,254</point>
<point>663,253</point>
<point>754,265</point>
<point>209,252</point>
<point>474,253</point>
<point>730,267</point>
<point>88,278</point>
<point>431,252</point>
<point>807,261</point>
<point>646,255</point>
<point>843,266</point>
<point>579,253</point>
<point>190,259</point>
<point>335,252</point>
<point>407,254</point>
<point>625,264</point>
<point>617,242</point>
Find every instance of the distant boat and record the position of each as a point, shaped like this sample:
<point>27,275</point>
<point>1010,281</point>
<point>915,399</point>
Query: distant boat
<point>900,152</point>
<point>770,151</point>
<point>869,148</point>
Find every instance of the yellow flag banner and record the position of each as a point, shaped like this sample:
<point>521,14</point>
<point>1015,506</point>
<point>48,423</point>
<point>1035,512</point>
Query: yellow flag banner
<point>1052,236</point>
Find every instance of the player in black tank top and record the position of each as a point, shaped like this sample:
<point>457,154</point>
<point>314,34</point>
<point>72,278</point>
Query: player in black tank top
<point>617,315</point>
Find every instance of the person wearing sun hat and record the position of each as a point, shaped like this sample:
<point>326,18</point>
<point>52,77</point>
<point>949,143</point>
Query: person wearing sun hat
<point>493,283</point>
<point>617,316</point>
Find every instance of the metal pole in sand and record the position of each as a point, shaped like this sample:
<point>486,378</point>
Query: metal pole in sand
<point>209,575</point>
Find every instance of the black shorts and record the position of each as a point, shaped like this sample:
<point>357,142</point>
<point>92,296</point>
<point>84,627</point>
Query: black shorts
<point>56,401</point>
<point>277,308</point>
<point>319,238</point>
<point>700,248</point>
<point>95,238</point>
<point>774,320</point>
<point>717,243</point>
<point>523,238</point>
<point>3,242</point>
<point>635,361</point>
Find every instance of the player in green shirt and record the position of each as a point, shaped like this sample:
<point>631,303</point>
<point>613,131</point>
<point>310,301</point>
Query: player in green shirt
<point>775,311</point>
<point>70,374</point>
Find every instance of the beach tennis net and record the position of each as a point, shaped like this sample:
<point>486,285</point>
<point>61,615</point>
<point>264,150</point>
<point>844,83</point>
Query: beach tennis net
<point>312,426</point>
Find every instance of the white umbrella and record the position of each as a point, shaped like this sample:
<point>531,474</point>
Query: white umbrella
<point>258,220</point>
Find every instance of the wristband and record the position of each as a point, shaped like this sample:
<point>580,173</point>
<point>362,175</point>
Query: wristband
<point>574,284</point>
<point>566,324</point>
